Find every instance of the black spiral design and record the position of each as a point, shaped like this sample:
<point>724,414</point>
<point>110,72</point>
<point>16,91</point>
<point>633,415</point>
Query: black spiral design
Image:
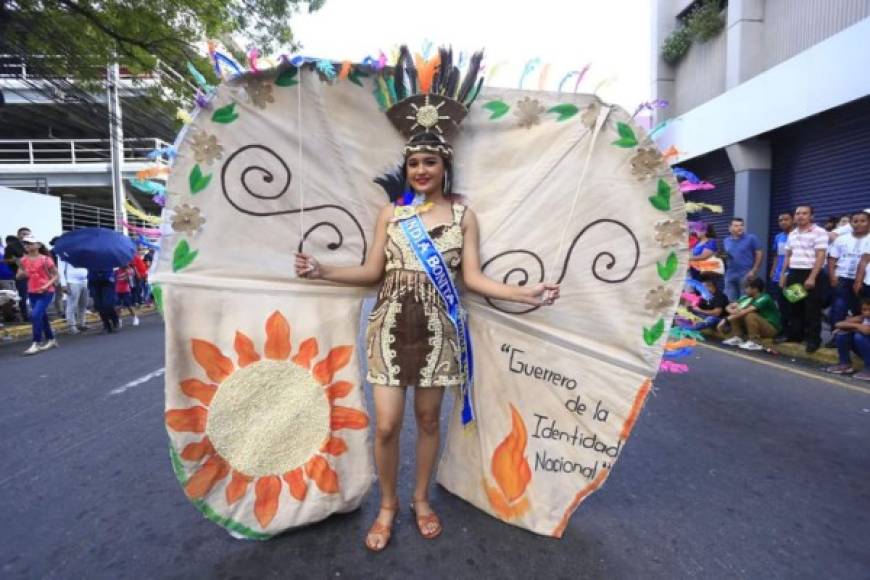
<point>537,265</point>
<point>258,180</point>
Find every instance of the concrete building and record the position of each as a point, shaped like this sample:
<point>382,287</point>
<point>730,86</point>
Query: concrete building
<point>774,109</point>
<point>58,143</point>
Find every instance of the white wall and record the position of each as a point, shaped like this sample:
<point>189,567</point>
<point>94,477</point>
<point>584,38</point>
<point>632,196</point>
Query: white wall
<point>41,213</point>
<point>827,75</point>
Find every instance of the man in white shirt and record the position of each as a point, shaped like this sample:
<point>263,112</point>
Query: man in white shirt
<point>844,257</point>
<point>74,282</point>
<point>806,249</point>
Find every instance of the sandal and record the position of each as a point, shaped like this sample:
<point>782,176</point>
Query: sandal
<point>381,529</point>
<point>423,522</point>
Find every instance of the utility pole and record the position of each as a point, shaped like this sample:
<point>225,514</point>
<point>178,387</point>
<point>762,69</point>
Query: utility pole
<point>116,140</point>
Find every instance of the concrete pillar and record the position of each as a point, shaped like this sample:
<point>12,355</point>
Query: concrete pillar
<point>116,139</point>
<point>745,41</point>
<point>751,161</point>
<point>663,20</point>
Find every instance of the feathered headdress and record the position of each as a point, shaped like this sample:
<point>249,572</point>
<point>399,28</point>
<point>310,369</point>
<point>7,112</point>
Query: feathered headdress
<point>425,100</point>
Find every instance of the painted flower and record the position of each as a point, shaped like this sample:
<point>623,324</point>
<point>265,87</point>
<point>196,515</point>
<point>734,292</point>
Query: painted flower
<point>529,111</point>
<point>259,91</point>
<point>659,300</point>
<point>268,423</point>
<point>646,163</point>
<point>670,233</point>
<point>206,148</point>
<point>187,219</point>
<point>590,114</point>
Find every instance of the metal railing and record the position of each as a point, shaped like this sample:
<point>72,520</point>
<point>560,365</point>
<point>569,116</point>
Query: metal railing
<point>74,216</point>
<point>36,184</point>
<point>74,151</point>
<point>14,67</point>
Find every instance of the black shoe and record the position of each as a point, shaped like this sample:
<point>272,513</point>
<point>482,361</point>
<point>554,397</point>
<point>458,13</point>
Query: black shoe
<point>812,347</point>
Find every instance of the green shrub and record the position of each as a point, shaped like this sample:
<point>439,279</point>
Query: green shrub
<point>705,21</point>
<point>676,45</point>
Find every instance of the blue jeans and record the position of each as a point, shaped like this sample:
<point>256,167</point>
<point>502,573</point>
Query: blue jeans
<point>734,284</point>
<point>849,341</point>
<point>844,300</point>
<point>39,304</point>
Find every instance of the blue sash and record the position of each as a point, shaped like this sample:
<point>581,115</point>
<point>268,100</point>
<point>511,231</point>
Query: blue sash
<point>435,267</point>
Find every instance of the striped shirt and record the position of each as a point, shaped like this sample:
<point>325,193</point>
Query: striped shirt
<point>803,245</point>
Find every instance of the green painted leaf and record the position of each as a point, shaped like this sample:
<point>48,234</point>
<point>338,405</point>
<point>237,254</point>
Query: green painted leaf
<point>627,137</point>
<point>664,189</point>
<point>287,78</point>
<point>662,199</point>
<point>651,335</point>
<point>565,111</point>
<point>497,108</point>
<point>157,293</point>
<point>669,268</point>
<point>225,114</point>
<point>660,203</point>
<point>197,180</point>
<point>183,256</point>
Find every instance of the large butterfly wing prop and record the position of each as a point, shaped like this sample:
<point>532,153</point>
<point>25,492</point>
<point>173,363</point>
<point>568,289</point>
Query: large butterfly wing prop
<point>264,408</point>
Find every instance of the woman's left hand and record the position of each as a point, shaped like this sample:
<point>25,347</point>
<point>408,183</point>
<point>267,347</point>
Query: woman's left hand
<point>543,294</point>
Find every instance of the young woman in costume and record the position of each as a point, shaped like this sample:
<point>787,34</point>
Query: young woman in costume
<point>414,338</point>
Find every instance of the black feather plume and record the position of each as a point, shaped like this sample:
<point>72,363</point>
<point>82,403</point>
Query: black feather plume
<point>410,69</point>
<point>470,76</point>
<point>444,66</point>
<point>452,83</point>
<point>393,183</point>
<point>474,94</point>
<point>399,77</point>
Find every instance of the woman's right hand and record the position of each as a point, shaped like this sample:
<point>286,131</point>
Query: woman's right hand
<point>307,267</point>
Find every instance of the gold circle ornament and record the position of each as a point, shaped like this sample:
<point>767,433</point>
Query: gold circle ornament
<point>428,116</point>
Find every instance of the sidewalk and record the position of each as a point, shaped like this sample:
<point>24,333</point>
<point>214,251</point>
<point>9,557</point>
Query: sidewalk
<point>20,332</point>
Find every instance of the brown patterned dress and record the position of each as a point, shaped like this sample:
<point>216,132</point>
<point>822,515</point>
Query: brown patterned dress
<point>410,339</point>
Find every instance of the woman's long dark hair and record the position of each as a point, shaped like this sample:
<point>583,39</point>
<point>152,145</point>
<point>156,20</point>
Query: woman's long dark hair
<point>710,232</point>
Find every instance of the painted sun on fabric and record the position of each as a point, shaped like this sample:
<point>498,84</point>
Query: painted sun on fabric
<point>241,411</point>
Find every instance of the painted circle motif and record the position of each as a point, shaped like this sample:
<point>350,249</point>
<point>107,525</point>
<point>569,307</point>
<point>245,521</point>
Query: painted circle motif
<point>261,408</point>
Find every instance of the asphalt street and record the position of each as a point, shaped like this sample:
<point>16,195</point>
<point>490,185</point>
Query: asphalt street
<point>735,470</point>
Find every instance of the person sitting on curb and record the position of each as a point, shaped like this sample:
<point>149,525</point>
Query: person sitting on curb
<point>754,315</point>
<point>853,334</point>
<point>713,309</point>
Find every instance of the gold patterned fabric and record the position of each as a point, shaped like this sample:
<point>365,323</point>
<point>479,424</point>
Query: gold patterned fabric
<point>410,339</point>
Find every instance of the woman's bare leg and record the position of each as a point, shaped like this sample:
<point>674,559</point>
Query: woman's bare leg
<point>389,410</point>
<point>427,410</point>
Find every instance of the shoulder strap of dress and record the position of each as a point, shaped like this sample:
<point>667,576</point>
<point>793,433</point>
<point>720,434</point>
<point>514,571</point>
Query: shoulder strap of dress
<point>458,212</point>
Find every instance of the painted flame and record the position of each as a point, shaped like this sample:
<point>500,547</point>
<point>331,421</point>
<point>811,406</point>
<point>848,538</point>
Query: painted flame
<point>511,471</point>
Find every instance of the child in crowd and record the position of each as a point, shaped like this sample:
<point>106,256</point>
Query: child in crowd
<point>754,316</point>
<point>853,334</point>
<point>713,309</point>
<point>124,291</point>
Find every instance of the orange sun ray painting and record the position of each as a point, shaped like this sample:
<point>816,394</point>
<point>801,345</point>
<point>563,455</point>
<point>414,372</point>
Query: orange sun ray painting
<point>266,427</point>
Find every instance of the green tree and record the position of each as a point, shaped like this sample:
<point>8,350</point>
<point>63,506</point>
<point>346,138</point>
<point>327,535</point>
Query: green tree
<point>77,38</point>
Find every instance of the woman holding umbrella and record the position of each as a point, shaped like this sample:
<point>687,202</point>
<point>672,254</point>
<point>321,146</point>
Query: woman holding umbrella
<point>41,275</point>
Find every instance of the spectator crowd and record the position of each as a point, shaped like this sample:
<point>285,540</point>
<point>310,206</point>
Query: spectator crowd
<point>33,281</point>
<point>816,273</point>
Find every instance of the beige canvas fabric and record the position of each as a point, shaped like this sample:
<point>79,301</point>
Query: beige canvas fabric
<point>565,188</point>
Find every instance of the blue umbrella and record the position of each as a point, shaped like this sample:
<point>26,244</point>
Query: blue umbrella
<point>95,248</point>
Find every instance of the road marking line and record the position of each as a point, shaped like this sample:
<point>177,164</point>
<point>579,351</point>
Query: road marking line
<point>137,382</point>
<point>800,372</point>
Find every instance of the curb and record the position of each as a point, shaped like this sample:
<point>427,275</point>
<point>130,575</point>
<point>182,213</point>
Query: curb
<point>824,357</point>
<point>21,332</point>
